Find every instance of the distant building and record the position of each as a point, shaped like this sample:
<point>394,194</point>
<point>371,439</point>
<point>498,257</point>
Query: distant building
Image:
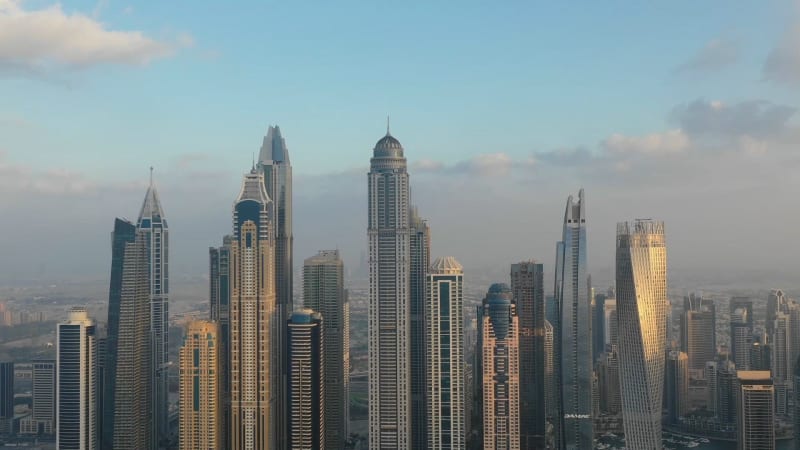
<point>76,383</point>
<point>220,300</point>
<point>127,421</point>
<point>420,261</point>
<point>500,365</point>
<point>323,291</point>
<point>306,382</point>
<point>698,331</point>
<point>755,397</point>
<point>608,372</point>
<point>677,386</point>
<point>574,366</point>
<point>760,355</point>
<point>776,300</point>
<point>445,364</point>
<point>710,375</point>
<point>641,266</point>
<point>741,337</point>
<point>201,424</point>
<point>6,396</point>
<point>274,164</point>
<point>726,392</point>
<point>153,225</point>
<point>42,421</point>
<point>610,324</point>
<point>527,287</point>
<point>796,412</point>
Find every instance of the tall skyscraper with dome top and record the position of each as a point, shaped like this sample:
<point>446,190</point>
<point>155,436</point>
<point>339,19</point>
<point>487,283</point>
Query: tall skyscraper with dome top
<point>389,297</point>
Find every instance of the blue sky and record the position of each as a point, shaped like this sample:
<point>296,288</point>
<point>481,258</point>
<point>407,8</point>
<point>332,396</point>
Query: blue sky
<point>618,97</point>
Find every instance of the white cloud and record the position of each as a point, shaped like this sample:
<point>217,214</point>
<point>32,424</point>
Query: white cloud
<point>426,165</point>
<point>36,40</point>
<point>783,62</point>
<point>669,142</point>
<point>487,164</point>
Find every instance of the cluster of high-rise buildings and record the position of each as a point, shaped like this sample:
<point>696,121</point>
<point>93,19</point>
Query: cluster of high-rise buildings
<point>543,368</point>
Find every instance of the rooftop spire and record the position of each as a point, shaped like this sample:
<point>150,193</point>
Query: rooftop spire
<point>387,126</point>
<point>151,176</point>
<point>151,207</point>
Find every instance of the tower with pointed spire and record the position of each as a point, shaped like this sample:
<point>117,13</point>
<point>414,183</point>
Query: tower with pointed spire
<point>153,224</point>
<point>273,163</point>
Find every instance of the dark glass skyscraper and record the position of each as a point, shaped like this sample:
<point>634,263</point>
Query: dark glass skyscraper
<point>420,252</point>
<point>527,287</point>
<point>6,396</point>
<point>306,387</point>
<point>153,224</point>
<point>127,422</point>
<point>573,427</point>
<point>220,296</point>
<point>273,161</point>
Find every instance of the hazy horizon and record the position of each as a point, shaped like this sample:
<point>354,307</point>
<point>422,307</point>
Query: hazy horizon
<point>503,110</point>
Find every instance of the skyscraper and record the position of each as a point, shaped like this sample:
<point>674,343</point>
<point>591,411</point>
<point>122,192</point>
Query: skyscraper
<point>307,383</point>
<point>527,286</point>
<point>698,331</point>
<point>641,309</point>
<point>445,358</point>
<point>220,298</point>
<point>273,162</point>
<point>6,396</point>
<point>499,330</point>
<point>796,415</point>
<point>76,383</point>
<point>574,428</point>
<point>710,375</point>
<point>389,297</point>
<point>323,291</point>
<point>43,415</point>
<point>201,424</point>
<point>781,361</point>
<point>127,386</point>
<point>726,393</point>
<point>610,399</point>
<point>598,326</point>
<point>754,396</point>
<point>252,311</point>
<point>775,302</point>
<point>153,224</point>
<point>550,393</point>
<point>760,355</point>
<point>610,323</point>
<point>420,261</point>
<point>741,337</point>
<point>677,385</point>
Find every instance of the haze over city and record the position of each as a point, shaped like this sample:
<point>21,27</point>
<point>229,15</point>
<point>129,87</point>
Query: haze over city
<point>683,112</point>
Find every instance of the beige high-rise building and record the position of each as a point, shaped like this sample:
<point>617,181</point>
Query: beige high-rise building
<point>641,312</point>
<point>252,309</point>
<point>200,400</point>
<point>500,366</point>
<point>755,404</point>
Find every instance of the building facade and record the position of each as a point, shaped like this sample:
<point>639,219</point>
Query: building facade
<point>153,225</point>
<point>323,291</point>
<point>641,266</point>
<point>677,385</point>
<point>420,261</point>
<point>698,331</point>
<point>574,367</point>
<point>741,337</point>
<point>307,383</point>
<point>76,383</point>
<point>273,162</point>
<point>6,396</point>
<point>127,421</point>
<point>389,297</point>
<point>527,287</point>
<point>220,300</point>
<point>201,424</point>
<point>42,420</point>
<point>445,358</point>
<point>500,365</point>
<point>755,400</point>
<point>252,311</point>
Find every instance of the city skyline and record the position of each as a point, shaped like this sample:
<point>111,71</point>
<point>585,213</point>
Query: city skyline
<point>720,124</point>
